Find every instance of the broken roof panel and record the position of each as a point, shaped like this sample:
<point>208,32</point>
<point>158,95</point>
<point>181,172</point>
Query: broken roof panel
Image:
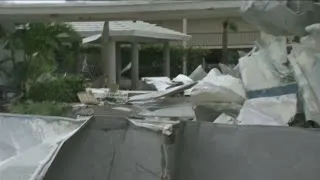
<point>29,143</point>
<point>159,94</point>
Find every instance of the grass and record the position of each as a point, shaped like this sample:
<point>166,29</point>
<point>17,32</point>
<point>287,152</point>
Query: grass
<point>39,108</point>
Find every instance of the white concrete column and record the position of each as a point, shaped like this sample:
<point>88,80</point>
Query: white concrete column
<point>111,52</point>
<point>166,59</point>
<point>119,63</point>
<point>184,45</point>
<point>104,52</point>
<point>134,65</point>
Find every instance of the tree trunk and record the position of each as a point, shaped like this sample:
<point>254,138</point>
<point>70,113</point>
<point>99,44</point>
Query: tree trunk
<point>12,51</point>
<point>79,59</point>
<point>225,42</point>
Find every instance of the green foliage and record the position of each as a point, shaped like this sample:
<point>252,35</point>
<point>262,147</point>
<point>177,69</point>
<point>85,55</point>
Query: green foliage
<point>40,43</point>
<point>44,37</point>
<point>232,26</point>
<point>61,89</point>
<point>43,108</point>
<point>151,59</point>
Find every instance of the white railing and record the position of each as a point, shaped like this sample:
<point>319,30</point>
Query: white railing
<point>215,39</point>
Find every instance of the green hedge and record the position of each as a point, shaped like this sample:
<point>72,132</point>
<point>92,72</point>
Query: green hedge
<point>62,89</point>
<point>151,60</point>
<point>39,108</point>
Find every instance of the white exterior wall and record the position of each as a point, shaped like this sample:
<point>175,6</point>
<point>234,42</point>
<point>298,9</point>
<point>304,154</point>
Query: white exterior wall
<point>208,32</point>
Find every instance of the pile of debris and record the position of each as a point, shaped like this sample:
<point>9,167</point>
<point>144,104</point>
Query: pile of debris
<point>267,87</point>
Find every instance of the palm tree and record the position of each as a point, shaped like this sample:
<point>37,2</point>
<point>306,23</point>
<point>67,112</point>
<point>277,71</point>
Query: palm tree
<point>227,26</point>
<point>39,42</point>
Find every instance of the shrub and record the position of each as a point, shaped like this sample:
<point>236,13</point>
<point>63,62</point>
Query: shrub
<point>61,89</point>
<point>151,60</point>
<point>43,108</point>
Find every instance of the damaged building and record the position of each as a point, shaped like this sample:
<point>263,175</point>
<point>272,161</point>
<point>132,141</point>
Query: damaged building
<point>257,120</point>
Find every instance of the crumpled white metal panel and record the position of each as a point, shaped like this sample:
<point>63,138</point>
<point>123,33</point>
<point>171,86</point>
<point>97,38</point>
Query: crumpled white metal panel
<point>160,83</point>
<point>272,111</point>
<point>280,18</point>
<point>218,88</point>
<point>264,67</point>
<point>28,144</point>
<point>304,59</point>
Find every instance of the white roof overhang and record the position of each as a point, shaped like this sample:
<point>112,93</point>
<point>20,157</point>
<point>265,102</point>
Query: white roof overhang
<point>128,31</point>
<point>116,10</point>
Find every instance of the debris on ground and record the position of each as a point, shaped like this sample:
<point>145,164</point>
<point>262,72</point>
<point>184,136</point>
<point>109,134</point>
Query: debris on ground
<point>81,111</point>
<point>159,94</point>
<point>214,70</point>
<point>198,74</point>
<point>225,119</point>
<point>260,90</point>
<point>278,111</point>
<point>304,59</point>
<point>159,83</point>
<point>163,126</point>
<point>265,66</point>
<point>210,111</point>
<point>250,106</point>
<point>218,88</point>
<point>183,111</point>
<point>183,79</point>
<point>87,98</point>
<point>122,109</point>
<point>110,96</point>
<point>264,88</point>
<point>229,70</point>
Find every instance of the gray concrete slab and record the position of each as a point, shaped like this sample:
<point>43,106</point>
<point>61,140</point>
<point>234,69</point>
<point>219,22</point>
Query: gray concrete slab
<point>208,151</point>
<point>111,148</point>
<point>107,149</point>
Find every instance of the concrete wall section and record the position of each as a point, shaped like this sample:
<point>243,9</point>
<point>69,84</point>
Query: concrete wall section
<point>110,148</point>
<point>208,151</point>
